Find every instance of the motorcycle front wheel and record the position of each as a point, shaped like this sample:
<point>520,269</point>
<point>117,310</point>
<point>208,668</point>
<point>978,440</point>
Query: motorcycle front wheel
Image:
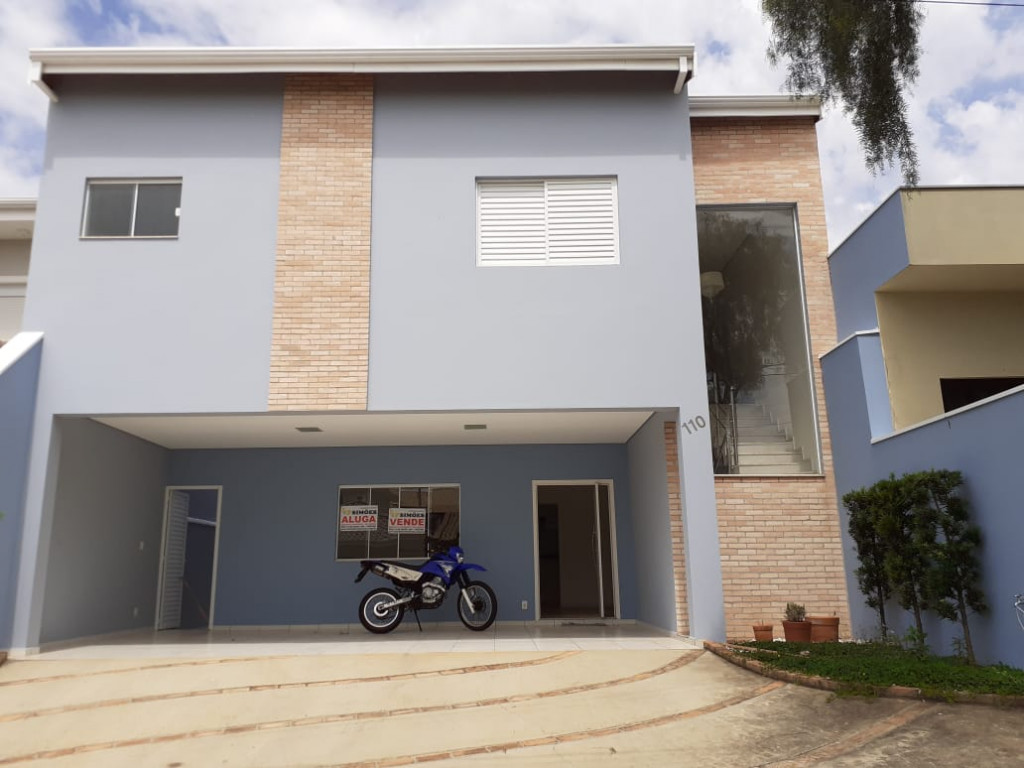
<point>484,606</point>
<point>377,619</point>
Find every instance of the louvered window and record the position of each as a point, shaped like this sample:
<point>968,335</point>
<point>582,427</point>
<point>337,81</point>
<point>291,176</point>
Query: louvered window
<point>547,221</point>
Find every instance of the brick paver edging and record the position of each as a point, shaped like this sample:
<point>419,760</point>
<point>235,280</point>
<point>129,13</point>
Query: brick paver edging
<point>736,655</point>
<point>257,687</point>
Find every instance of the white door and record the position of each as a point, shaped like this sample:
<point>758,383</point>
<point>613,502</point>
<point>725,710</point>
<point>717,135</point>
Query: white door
<point>174,560</point>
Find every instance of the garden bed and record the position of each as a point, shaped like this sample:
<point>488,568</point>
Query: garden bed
<point>878,669</point>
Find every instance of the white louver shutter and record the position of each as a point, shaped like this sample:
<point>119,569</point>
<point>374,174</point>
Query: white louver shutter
<point>557,221</point>
<point>582,220</point>
<point>512,222</point>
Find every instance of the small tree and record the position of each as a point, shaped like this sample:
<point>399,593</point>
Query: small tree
<point>955,571</point>
<point>871,576</point>
<point>906,539</point>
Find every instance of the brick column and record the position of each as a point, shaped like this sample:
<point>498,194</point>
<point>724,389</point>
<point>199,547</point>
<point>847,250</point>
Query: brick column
<point>779,536</point>
<point>320,346</point>
<point>675,516</point>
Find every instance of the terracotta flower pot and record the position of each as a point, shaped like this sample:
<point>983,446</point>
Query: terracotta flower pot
<point>797,631</point>
<point>824,629</point>
<point>764,632</point>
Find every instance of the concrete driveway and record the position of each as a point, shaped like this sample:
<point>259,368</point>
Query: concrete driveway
<point>652,706</point>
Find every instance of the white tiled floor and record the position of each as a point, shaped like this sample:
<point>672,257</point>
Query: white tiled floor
<point>345,640</point>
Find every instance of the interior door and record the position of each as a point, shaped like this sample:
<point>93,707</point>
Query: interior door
<point>175,534</point>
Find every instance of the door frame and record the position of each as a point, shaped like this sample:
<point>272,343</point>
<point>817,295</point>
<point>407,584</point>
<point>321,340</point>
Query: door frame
<point>613,543</point>
<point>163,544</point>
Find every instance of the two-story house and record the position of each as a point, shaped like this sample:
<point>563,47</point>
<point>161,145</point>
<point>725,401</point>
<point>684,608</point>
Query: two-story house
<point>562,311</point>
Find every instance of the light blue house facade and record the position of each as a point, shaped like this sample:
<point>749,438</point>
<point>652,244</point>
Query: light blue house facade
<point>929,294</point>
<point>269,285</point>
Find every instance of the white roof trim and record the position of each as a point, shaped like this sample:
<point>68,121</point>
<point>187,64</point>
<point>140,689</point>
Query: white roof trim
<point>225,60</point>
<point>784,105</point>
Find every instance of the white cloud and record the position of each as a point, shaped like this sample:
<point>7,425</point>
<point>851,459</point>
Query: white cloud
<point>967,109</point>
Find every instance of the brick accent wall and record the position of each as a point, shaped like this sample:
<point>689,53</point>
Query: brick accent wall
<point>675,513</point>
<point>320,346</point>
<point>780,539</point>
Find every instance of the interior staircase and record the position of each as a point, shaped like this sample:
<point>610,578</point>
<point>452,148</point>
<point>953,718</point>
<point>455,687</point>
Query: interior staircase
<point>764,448</point>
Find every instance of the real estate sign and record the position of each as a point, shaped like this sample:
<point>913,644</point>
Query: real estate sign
<point>407,520</point>
<point>357,517</point>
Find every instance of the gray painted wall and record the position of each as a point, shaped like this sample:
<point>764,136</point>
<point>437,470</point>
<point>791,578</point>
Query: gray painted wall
<point>874,253</point>
<point>150,326</point>
<point>530,337</point>
<point>656,601</point>
<point>160,325</point>
<point>279,512</point>
<point>109,498</point>
<point>985,443</point>
<point>17,407</point>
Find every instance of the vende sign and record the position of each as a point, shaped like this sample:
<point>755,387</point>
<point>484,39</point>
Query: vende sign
<point>407,520</point>
<point>358,517</point>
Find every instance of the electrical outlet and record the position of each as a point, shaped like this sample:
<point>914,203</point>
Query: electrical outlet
<point>525,605</point>
<point>135,611</point>
<point>142,546</point>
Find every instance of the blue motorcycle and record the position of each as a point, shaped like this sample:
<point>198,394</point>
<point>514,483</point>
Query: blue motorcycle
<point>426,586</point>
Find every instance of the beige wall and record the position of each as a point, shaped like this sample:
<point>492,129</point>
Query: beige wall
<point>965,226</point>
<point>13,274</point>
<point>928,336</point>
<point>320,349</point>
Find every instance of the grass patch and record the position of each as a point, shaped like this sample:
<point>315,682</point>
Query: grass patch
<point>861,667</point>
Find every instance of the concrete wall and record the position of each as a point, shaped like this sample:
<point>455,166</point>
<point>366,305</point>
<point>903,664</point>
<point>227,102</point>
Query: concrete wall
<point>446,333</point>
<point>277,565</point>
<point>19,372</point>
<point>648,484</point>
<point>928,336</point>
<point>874,253</point>
<point>159,325</point>
<point>107,526</point>
<point>984,442</point>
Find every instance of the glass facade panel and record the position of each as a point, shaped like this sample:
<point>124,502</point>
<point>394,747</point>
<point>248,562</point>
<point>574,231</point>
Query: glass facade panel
<point>755,342</point>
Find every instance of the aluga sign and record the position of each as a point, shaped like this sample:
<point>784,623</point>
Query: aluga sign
<point>361,517</point>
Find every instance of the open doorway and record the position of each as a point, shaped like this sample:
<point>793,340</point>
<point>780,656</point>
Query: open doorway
<point>188,558</point>
<point>575,550</point>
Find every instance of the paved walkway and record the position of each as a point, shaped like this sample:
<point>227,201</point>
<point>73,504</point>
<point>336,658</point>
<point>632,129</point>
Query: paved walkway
<point>653,707</point>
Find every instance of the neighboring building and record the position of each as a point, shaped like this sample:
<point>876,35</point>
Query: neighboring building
<point>270,284</point>
<point>17,217</point>
<point>929,295</point>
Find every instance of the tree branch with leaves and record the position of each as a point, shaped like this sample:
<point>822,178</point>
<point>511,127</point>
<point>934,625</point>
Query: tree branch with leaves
<point>863,53</point>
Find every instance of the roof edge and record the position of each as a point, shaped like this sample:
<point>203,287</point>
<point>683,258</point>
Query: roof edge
<point>229,60</point>
<point>775,105</point>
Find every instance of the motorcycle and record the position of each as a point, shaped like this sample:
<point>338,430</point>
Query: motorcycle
<point>423,587</point>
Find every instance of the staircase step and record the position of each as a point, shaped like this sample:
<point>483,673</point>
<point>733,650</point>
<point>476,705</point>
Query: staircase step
<point>769,459</point>
<point>775,447</point>
<point>766,429</point>
<point>794,468</point>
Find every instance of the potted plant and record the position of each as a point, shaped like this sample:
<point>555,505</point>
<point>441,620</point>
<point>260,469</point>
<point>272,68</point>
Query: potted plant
<point>795,626</point>
<point>764,632</point>
<point>824,629</point>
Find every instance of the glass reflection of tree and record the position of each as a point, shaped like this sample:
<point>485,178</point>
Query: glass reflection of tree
<point>744,320</point>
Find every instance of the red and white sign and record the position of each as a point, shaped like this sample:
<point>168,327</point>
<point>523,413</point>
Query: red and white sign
<point>358,517</point>
<point>407,521</point>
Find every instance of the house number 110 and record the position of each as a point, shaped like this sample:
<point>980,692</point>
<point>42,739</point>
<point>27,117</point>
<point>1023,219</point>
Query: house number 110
<point>694,424</point>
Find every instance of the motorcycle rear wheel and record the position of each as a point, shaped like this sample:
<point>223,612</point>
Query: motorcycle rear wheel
<point>485,606</point>
<point>373,618</point>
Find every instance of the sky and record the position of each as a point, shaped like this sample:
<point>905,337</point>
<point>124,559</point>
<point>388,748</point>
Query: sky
<point>966,109</point>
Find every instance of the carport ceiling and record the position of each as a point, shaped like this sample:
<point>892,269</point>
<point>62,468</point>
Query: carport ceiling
<point>281,430</point>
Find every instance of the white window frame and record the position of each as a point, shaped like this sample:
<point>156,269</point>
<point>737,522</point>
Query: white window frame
<point>547,259</point>
<point>400,486</point>
<point>89,183</point>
